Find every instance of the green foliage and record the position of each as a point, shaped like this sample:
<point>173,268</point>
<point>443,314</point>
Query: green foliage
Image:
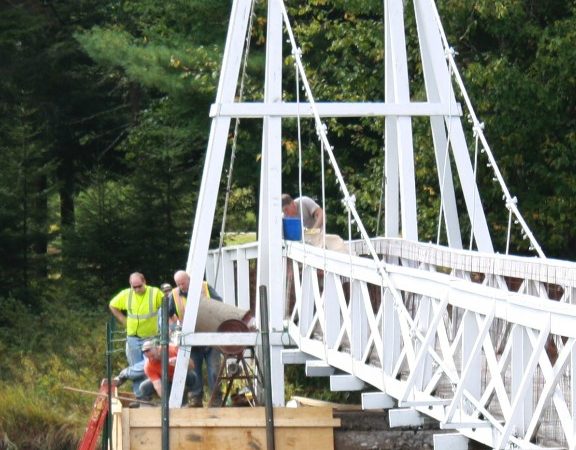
<point>31,423</point>
<point>343,55</point>
<point>298,384</point>
<point>172,70</point>
<point>37,365</point>
<point>23,222</point>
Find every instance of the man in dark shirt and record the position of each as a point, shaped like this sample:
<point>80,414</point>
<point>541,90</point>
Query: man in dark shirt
<point>198,355</point>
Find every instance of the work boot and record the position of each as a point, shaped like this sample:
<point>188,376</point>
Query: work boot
<point>195,402</point>
<point>217,402</point>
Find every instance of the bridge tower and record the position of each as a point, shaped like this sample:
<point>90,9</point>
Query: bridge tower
<point>484,343</point>
<point>397,108</point>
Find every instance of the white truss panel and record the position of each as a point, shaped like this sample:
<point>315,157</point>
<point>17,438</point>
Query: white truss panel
<point>450,324</point>
<point>463,314</point>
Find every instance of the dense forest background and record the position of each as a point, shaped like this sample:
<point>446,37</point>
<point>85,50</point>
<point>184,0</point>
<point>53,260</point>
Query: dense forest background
<point>104,107</point>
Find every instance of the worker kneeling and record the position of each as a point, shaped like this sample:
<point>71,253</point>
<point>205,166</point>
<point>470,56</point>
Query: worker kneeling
<point>153,370</point>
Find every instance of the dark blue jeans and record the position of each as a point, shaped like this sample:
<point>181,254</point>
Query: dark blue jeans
<point>212,356</point>
<point>147,390</point>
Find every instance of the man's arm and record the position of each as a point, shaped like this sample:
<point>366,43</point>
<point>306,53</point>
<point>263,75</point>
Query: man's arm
<point>318,218</point>
<point>157,387</point>
<point>118,314</point>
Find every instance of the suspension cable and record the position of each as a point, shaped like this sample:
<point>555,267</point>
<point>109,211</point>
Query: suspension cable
<point>511,202</point>
<point>299,127</point>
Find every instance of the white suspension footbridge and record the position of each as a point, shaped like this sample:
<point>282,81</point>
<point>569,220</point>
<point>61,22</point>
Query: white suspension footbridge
<point>480,341</point>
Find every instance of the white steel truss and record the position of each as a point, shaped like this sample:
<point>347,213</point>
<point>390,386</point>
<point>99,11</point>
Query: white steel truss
<point>483,343</point>
<point>471,339</point>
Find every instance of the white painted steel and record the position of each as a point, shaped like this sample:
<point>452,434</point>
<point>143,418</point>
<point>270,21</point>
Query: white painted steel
<point>255,110</point>
<point>470,342</point>
<point>397,91</point>
<point>470,339</point>
<point>405,418</point>
<point>438,84</point>
<point>450,441</point>
<point>317,368</point>
<point>199,242</point>
<point>377,400</point>
<point>470,385</point>
<point>346,383</point>
<point>270,217</point>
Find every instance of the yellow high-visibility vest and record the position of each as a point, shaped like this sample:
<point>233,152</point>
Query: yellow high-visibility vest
<point>141,310</point>
<point>180,300</point>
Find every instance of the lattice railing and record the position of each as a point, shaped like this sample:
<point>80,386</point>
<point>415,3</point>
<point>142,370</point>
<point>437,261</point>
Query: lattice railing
<point>473,340</point>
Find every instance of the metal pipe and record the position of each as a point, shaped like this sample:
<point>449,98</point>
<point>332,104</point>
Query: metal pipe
<point>107,435</point>
<point>165,395</point>
<point>266,379</point>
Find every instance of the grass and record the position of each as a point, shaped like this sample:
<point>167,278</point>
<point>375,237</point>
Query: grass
<point>44,349</point>
<point>31,421</point>
<point>239,238</point>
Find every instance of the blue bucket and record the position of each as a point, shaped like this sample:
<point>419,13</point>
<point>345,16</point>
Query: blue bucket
<point>292,228</point>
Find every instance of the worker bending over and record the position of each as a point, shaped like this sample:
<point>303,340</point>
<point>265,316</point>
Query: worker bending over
<point>153,370</point>
<point>313,219</point>
<point>310,211</point>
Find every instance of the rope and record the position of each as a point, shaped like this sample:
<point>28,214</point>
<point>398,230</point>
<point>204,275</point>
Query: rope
<point>299,125</point>
<point>234,140</point>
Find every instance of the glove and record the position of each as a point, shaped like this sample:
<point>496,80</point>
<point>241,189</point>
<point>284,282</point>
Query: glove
<point>121,378</point>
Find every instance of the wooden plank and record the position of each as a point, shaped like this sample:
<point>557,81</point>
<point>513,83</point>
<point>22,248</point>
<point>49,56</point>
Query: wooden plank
<point>232,438</point>
<point>234,417</point>
<point>305,401</point>
<point>126,429</point>
<point>116,431</point>
<point>230,428</point>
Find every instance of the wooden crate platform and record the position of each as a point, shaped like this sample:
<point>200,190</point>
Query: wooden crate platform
<point>226,428</point>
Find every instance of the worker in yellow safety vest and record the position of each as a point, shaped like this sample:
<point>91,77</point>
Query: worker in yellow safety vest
<point>137,309</point>
<point>176,308</point>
